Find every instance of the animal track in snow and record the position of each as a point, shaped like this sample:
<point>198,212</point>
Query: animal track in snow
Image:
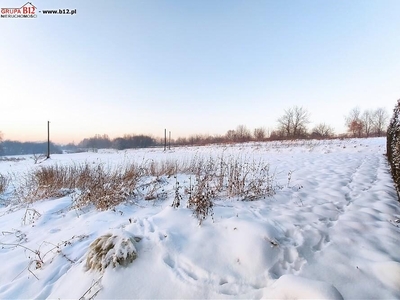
<point>322,242</point>
<point>183,269</point>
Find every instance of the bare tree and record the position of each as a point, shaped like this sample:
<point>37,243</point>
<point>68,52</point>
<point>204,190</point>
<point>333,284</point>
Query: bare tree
<point>380,121</point>
<point>301,119</point>
<point>356,128</point>
<point>322,131</point>
<point>230,135</point>
<point>294,122</point>
<point>286,123</point>
<point>243,134</point>
<point>367,119</point>
<point>260,134</point>
<point>354,122</point>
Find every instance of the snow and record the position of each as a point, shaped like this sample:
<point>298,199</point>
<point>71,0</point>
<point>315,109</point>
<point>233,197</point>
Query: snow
<point>330,232</point>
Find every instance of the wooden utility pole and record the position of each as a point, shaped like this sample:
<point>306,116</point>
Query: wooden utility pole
<point>48,139</point>
<point>169,144</point>
<point>165,139</point>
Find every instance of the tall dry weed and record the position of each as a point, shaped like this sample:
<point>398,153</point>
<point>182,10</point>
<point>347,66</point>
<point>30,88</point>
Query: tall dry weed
<point>4,181</point>
<point>105,186</point>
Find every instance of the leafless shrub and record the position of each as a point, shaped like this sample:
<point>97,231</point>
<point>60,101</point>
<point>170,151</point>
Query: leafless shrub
<point>93,290</point>
<point>38,158</point>
<point>4,181</point>
<point>195,165</point>
<point>260,183</point>
<point>152,190</point>
<point>31,216</point>
<point>37,257</point>
<point>178,197</point>
<point>201,199</point>
<point>236,176</point>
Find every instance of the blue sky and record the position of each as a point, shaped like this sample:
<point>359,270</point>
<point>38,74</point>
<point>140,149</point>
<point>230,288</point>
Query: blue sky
<point>193,66</point>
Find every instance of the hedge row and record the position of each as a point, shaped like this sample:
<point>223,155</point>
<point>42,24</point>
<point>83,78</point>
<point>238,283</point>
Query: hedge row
<point>393,145</point>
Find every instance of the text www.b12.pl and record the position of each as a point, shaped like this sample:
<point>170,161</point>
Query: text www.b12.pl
<point>59,12</point>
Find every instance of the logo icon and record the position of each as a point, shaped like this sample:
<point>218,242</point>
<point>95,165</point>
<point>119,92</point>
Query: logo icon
<point>28,10</point>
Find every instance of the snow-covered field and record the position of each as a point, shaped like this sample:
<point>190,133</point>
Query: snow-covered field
<point>331,231</point>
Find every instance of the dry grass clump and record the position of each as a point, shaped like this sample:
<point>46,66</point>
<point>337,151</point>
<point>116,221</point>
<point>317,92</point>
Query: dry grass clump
<point>249,180</point>
<point>105,187</point>
<point>161,168</point>
<point>231,176</point>
<point>96,185</point>
<point>51,179</point>
<point>111,250</point>
<point>235,176</point>
<point>46,182</point>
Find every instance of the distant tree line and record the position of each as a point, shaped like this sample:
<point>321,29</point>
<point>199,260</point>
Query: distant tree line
<point>120,143</point>
<point>133,141</point>
<point>367,123</point>
<point>8,147</point>
<point>293,124</point>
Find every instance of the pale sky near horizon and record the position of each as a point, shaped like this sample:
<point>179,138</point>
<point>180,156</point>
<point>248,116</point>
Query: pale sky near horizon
<point>193,67</point>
